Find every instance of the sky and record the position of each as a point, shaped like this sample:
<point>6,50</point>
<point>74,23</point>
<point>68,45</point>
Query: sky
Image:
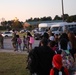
<point>25,9</point>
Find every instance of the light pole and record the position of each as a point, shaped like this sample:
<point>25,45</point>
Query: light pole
<point>62,10</point>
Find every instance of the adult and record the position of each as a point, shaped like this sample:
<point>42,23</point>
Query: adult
<point>45,36</point>
<point>64,42</point>
<point>41,59</point>
<point>49,32</point>
<point>1,41</point>
<point>30,41</point>
<point>72,39</point>
<point>56,39</point>
<point>14,42</point>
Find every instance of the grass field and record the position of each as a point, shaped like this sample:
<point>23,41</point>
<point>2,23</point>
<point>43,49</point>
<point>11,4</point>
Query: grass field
<point>13,64</point>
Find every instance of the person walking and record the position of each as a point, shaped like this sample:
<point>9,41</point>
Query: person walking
<point>41,59</point>
<point>24,43</point>
<point>1,41</point>
<point>14,42</point>
<point>19,41</point>
<point>30,40</point>
<point>72,39</point>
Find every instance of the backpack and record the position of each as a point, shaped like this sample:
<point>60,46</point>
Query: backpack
<point>67,59</point>
<point>31,61</point>
<point>25,41</point>
<point>59,72</point>
<point>31,40</point>
<point>19,40</point>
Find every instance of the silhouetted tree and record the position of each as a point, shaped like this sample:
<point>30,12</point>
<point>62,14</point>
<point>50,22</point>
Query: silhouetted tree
<point>69,19</point>
<point>57,18</point>
<point>36,19</point>
<point>17,25</point>
<point>65,16</point>
<point>4,23</point>
<point>49,18</point>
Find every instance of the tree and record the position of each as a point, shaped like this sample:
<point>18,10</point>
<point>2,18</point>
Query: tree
<point>16,25</point>
<point>29,19</point>
<point>69,19</point>
<point>65,16</point>
<point>49,18</point>
<point>57,18</point>
<point>36,19</point>
<point>4,23</point>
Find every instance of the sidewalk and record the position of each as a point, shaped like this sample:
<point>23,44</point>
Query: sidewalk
<point>12,51</point>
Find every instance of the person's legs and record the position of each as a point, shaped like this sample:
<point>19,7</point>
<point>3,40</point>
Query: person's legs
<point>24,47</point>
<point>14,46</point>
<point>19,46</point>
<point>2,45</point>
<point>72,53</point>
<point>30,46</point>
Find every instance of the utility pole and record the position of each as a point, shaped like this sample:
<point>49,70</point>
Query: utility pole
<point>62,10</point>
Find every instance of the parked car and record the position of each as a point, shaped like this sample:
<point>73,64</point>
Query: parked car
<point>38,35</point>
<point>24,30</point>
<point>7,34</point>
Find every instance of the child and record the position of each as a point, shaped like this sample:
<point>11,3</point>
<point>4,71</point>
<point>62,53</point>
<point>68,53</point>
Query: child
<point>19,41</point>
<point>14,42</point>
<point>58,69</point>
<point>24,42</point>
<point>30,40</point>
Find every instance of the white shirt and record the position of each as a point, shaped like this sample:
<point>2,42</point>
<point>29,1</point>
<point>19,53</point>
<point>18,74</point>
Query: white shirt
<point>52,38</point>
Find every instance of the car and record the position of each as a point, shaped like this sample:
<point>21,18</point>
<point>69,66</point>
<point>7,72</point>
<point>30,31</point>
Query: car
<point>38,35</point>
<point>24,30</point>
<point>7,34</point>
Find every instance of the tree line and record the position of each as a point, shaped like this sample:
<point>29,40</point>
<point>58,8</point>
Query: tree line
<point>16,24</point>
<point>67,18</point>
<point>11,24</point>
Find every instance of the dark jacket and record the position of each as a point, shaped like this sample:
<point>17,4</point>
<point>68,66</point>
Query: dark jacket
<point>42,60</point>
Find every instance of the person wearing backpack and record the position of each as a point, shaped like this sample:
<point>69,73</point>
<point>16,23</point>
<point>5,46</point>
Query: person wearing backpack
<point>19,41</point>
<point>68,60</point>
<point>58,68</point>
<point>14,42</point>
<point>24,43</point>
<point>30,41</point>
<point>72,39</point>
<point>40,59</point>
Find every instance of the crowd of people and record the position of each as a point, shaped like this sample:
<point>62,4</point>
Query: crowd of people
<point>27,40</point>
<point>55,55</point>
<point>19,43</point>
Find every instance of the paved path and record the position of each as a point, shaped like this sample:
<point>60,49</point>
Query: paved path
<point>12,51</point>
<point>8,44</point>
<point>9,48</point>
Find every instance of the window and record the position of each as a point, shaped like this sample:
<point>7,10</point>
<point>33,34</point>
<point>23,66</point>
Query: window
<point>55,28</point>
<point>7,32</point>
<point>60,29</point>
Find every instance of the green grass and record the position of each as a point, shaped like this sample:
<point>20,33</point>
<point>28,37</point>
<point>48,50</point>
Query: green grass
<point>13,64</point>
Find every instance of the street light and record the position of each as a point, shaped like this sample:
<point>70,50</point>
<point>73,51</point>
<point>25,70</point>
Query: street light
<point>62,10</point>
